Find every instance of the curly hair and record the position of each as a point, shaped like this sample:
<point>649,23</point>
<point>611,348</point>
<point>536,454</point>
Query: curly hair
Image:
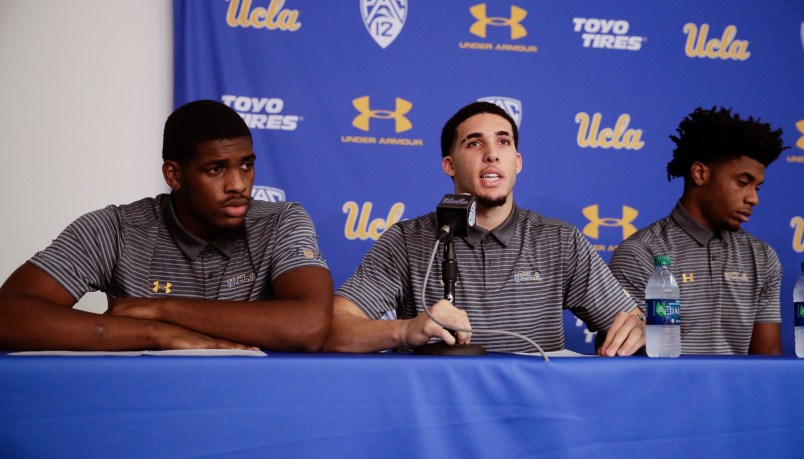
<point>196,122</point>
<point>716,135</point>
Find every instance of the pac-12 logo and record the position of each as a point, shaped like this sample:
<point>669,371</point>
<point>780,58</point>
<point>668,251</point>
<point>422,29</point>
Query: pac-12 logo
<point>267,193</point>
<point>384,19</point>
<point>511,106</point>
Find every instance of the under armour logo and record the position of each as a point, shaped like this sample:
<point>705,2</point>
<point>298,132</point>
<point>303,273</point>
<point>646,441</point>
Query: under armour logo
<point>592,229</point>
<point>687,278</point>
<point>402,108</point>
<point>800,124</point>
<point>479,27</point>
<point>166,287</point>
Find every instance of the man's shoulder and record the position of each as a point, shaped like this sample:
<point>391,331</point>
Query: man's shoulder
<point>143,212</point>
<point>657,232</point>
<point>534,221</point>
<point>261,210</point>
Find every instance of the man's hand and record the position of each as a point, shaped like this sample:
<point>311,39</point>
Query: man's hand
<point>625,336</point>
<point>420,329</point>
<point>135,308</point>
<point>174,337</point>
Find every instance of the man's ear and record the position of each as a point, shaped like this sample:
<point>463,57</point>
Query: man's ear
<point>699,173</point>
<point>172,173</point>
<point>447,166</point>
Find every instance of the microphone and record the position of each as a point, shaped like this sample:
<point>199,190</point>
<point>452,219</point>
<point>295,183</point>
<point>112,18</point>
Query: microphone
<point>455,214</point>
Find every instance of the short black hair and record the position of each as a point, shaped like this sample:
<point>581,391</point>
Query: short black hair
<point>197,122</point>
<point>716,135</point>
<point>451,127</point>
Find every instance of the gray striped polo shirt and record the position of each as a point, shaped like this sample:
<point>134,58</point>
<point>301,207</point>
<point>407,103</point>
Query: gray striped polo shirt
<point>518,277</point>
<point>729,280</point>
<point>141,250</point>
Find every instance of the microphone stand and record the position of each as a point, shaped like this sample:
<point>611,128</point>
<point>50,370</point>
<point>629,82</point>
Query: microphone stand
<point>449,276</point>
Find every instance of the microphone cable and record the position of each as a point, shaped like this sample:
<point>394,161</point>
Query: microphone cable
<point>473,331</point>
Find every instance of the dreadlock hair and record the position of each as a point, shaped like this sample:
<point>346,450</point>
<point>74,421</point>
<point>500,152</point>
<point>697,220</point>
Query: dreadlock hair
<point>716,135</point>
<point>197,122</point>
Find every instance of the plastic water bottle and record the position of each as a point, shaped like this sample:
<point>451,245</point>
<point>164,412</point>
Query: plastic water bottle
<point>663,308</point>
<point>798,302</point>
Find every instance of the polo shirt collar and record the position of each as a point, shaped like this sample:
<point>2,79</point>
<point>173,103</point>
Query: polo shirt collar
<point>503,233</point>
<point>191,245</point>
<point>697,231</point>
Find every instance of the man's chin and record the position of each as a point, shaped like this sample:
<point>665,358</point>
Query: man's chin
<point>491,202</point>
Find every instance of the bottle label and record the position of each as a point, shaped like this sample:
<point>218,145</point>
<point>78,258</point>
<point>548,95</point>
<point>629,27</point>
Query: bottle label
<point>663,312</point>
<point>799,314</point>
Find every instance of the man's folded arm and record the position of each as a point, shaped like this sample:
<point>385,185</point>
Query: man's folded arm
<point>297,318</point>
<point>36,313</point>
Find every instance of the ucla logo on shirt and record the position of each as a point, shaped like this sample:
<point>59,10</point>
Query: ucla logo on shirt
<point>727,47</point>
<point>262,112</point>
<point>619,137</point>
<point>525,276</point>
<point>735,276</point>
<point>607,34</point>
<point>797,223</point>
<point>384,19</point>
<point>241,13</point>
<point>165,287</point>
<point>375,117</point>
<point>240,279</point>
<point>511,106</point>
<point>359,224</point>
<point>625,222</point>
<point>504,27</point>
<point>267,193</point>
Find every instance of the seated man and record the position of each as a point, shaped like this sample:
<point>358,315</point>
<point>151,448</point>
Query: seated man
<point>201,267</point>
<point>729,280</point>
<point>517,269</point>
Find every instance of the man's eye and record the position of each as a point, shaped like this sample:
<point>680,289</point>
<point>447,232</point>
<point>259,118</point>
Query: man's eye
<point>247,166</point>
<point>214,170</point>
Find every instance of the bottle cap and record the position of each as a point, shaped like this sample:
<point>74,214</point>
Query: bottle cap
<point>663,260</point>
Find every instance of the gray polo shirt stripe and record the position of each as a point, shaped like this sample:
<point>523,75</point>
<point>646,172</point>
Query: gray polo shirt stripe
<point>518,277</point>
<point>729,281</point>
<point>132,250</point>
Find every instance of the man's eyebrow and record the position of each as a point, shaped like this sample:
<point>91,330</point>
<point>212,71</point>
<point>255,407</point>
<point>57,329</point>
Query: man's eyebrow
<point>475,135</point>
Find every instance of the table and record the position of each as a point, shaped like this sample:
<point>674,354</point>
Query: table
<point>391,405</point>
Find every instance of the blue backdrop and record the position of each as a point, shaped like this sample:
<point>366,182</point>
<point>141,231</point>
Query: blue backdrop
<point>346,100</point>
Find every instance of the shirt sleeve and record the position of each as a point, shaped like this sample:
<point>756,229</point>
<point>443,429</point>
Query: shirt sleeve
<point>83,257</point>
<point>591,291</point>
<point>768,304</point>
<point>632,264</point>
<point>378,284</point>
<point>296,242</point>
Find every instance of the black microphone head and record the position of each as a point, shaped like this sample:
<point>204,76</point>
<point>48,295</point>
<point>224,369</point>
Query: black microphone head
<point>457,213</point>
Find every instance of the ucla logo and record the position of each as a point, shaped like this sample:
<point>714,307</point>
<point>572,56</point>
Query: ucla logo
<point>620,137</point>
<point>241,14</point>
<point>401,123</point>
<point>157,287</point>
<point>797,223</point>
<point>267,193</point>
<point>687,278</point>
<point>727,47</point>
<point>511,106</point>
<point>262,112</point>
<point>735,276</point>
<point>483,21</point>
<point>524,276</point>
<point>240,279</point>
<point>607,34</point>
<point>384,19</point>
<point>592,229</point>
<point>358,226</point>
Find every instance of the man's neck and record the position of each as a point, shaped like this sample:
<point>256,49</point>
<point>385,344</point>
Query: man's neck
<point>490,218</point>
<point>690,203</point>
